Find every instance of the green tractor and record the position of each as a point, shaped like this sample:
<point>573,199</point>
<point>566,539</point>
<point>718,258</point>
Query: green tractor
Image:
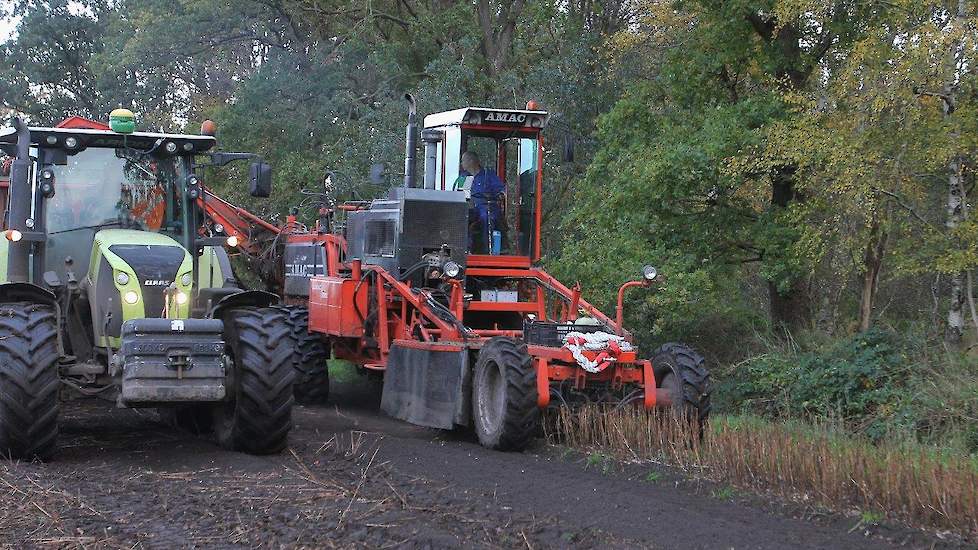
<point>109,288</point>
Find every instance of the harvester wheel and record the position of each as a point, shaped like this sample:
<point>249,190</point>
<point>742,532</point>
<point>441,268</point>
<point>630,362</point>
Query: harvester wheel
<point>681,371</point>
<point>309,358</point>
<point>257,416</point>
<point>28,381</point>
<point>504,396</point>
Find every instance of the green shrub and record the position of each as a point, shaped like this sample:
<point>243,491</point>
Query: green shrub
<point>861,381</point>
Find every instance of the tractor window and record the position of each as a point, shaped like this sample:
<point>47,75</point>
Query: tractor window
<point>115,187</point>
<point>102,188</point>
<point>527,168</point>
<point>514,160</point>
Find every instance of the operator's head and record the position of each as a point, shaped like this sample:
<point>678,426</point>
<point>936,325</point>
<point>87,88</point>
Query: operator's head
<point>470,162</point>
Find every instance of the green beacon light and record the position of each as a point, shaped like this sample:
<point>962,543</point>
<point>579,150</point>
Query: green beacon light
<point>122,121</point>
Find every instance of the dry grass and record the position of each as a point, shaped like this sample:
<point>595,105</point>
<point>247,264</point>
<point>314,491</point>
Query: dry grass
<point>909,483</point>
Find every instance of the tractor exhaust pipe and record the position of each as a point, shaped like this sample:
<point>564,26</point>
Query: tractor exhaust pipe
<point>411,143</point>
<point>18,255</point>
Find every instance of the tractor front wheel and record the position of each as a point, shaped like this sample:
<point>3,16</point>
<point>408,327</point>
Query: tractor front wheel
<point>309,357</point>
<point>257,415</point>
<point>504,396</point>
<point>683,373</point>
<point>28,381</point>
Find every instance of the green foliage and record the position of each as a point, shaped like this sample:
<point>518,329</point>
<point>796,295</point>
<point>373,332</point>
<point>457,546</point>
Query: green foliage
<point>878,383</point>
<point>850,379</point>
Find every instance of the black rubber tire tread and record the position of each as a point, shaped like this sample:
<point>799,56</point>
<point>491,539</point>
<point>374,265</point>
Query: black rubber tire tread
<point>520,420</point>
<point>29,383</point>
<point>258,417</point>
<point>689,366</point>
<point>309,358</point>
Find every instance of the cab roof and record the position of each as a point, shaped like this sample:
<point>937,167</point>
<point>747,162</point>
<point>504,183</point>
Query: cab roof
<point>55,137</point>
<point>486,116</point>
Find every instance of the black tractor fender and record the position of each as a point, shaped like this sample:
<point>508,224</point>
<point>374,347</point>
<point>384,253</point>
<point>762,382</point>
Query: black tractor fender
<point>29,292</point>
<point>245,298</point>
<point>26,292</point>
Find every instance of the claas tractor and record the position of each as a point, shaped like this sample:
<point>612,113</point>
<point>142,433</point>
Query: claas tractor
<point>437,288</point>
<point>109,287</point>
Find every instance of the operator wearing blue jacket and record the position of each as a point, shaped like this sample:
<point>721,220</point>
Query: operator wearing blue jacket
<point>487,193</point>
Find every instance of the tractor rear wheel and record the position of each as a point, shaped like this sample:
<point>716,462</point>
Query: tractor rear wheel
<point>681,371</point>
<point>257,415</point>
<point>504,397</point>
<point>309,358</point>
<point>28,381</point>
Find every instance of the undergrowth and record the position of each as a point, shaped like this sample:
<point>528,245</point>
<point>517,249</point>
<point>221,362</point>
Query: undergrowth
<point>879,384</point>
<point>905,481</point>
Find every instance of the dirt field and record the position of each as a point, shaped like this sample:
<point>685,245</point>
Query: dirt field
<point>354,478</point>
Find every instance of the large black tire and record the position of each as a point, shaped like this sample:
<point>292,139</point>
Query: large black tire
<point>682,371</point>
<point>257,416</point>
<point>309,358</point>
<point>504,397</point>
<point>29,382</point>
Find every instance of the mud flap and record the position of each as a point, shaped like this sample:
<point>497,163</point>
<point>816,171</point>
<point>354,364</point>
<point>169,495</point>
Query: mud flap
<point>428,386</point>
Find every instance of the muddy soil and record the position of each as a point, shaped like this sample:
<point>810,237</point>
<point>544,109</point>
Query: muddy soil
<point>354,478</point>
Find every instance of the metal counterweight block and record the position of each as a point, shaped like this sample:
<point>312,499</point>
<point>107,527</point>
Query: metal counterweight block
<point>172,360</point>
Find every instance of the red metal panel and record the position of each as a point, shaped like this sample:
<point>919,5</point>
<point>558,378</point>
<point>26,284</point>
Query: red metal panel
<point>331,306</point>
<point>543,383</point>
<point>81,123</point>
<point>487,260</point>
<point>429,346</point>
<point>503,306</point>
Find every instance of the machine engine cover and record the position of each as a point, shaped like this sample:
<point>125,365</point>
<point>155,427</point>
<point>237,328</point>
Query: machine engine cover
<point>171,360</point>
<point>428,387</point>
<point>396,232</point>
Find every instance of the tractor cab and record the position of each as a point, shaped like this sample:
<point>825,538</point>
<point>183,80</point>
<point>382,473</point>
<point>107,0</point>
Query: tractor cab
<point>89,181</point>
<point>507,143</point>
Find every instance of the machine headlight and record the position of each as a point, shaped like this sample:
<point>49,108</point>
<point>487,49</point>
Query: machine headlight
<point>218,228</point>
<point>233,241</point>
<point>188,146</point>
<point>452,269</point>
<point>130,297</point>
<point>122,278</point>
<point>51,140</point>
<point>13,235</point>
<point>181,297</point>
<point>71,142</point>
<point>186,279</point>
<point>171,147</point>
<point>649,273</point>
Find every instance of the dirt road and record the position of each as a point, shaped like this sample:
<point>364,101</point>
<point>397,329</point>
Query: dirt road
<point>354,478</point>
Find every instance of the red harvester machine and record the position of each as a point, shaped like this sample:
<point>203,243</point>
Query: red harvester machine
<point>464,326</point>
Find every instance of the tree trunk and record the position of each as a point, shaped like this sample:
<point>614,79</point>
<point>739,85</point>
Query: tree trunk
<point>955,215</point>
<point>791,309</point>
<point>498,24</point>
<point>872,264</point>
<point>956,201</point>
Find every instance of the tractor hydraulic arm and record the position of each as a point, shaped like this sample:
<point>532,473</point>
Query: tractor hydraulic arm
<point>255,238</point>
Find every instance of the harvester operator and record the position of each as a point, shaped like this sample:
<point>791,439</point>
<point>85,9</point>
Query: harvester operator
<point>486,193</point>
